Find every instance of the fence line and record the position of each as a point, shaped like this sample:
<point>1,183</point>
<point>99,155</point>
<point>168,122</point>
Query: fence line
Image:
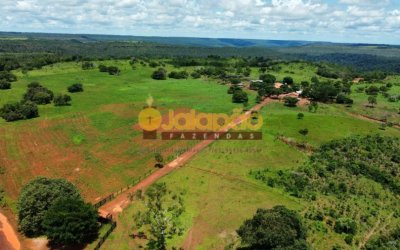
<point>115,194</point>
<point>103,239</point>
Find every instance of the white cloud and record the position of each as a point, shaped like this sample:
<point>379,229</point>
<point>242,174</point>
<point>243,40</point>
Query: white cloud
<point>233,18</point>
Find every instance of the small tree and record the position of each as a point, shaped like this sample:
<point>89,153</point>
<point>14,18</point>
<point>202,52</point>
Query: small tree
<point>288,80</point>
<point>87,65</point>
<point>291,101</point>
<point>159,74</point>
<point>313,107</point>
<point>62,100</point>
<point>372,101</point>
<point>303,131</point>
<point>76,87</point>
<point>4,84</point>
<point>159,160</point>
<point>71,222</point>
<point>162,215</point>
<point>239,96</point>
<point>300,116</point>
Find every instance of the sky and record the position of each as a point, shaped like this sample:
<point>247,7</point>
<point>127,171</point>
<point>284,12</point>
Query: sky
<point>360,21</point>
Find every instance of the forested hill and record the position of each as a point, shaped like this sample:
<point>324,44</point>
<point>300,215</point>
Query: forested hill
<point>362,57</point>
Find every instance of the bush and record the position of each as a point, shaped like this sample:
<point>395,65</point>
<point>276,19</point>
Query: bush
<point>239,96</point>
<point>62,100</point>
<point>87,65</point>
<point>35,200</point>
<point>7,76</point>
<point>159,74</point>
<point>195,75</point>
<point>343,99</point>
<point>76,87</point>
<point>300,116</point>
<point>178,75</point>
<point>372,90</point>
<point>19,111</point>
<point>4,84</point>
<point>268,78</point>
<point>345,225</point>
<point>112,70</point>
<point>291,101</point>
<point>38,94</point>
<point>69,221</point>
<point>288,80</point>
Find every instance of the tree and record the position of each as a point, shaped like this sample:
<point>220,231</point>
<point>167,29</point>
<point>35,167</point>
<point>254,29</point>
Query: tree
<point>276,228</point>
<point>239,96</point>
<point>76,87</point>
<point>4,84</point>
<point>268,78</point>
<point>38,94</point>
<point>372,101</point>
<point>69,221</point>
<point>372,90</point>
<point>163,210</point>
<point>288,80</point>
<point>195,75</point>
<point>19,111</point>
<point>313,107</point>
<point>303,132</point>
<point>113,70</point>
<point>300,116</point>
<point>159,74</point>
<point>345,225</point>
<point>291,101</point>
<point>344,99</point>
<point>87,65</point>
<point>35,200</point>
<point>159,160</point>
<point>62,100</point>
<point>8,76</point>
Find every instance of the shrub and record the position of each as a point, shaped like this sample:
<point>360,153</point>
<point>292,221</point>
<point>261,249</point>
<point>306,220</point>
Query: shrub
<point>4,84</point>
<point>62,100</point>
<point>195,75</point>
<point>300,116</point>
<point>372,90</point>
<point>7,76</point>
<point>178,75</point>
<point>76,87</point>
<point>344,99</point>
<point>87,65</point>
<point>345,225</point>
<point>291,101</point>
<point>159,74</point>
<point>239,96</point>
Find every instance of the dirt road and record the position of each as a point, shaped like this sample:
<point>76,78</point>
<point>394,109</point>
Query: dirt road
<point>8,237</point>
<point>117,205</point>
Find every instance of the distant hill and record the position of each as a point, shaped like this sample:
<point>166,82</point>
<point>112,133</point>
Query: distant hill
<point>186,41</point>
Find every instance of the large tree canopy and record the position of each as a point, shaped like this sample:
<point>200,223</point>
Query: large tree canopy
<point>35,200</point>
<point>71,222</point>
<point>276,228</point>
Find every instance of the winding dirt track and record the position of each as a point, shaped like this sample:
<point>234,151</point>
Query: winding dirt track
<point>8,237</point>
<point>117,205</point>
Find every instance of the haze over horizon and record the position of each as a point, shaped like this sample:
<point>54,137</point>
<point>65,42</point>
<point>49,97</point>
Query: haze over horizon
<point>345,21</point>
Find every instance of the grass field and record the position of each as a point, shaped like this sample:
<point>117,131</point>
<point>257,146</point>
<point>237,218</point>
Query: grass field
<point>95,136</point>
<point>95,144</point>
<point>219,191</point>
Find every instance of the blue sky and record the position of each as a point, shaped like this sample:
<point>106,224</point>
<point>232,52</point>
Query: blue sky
<point>365,21</point>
